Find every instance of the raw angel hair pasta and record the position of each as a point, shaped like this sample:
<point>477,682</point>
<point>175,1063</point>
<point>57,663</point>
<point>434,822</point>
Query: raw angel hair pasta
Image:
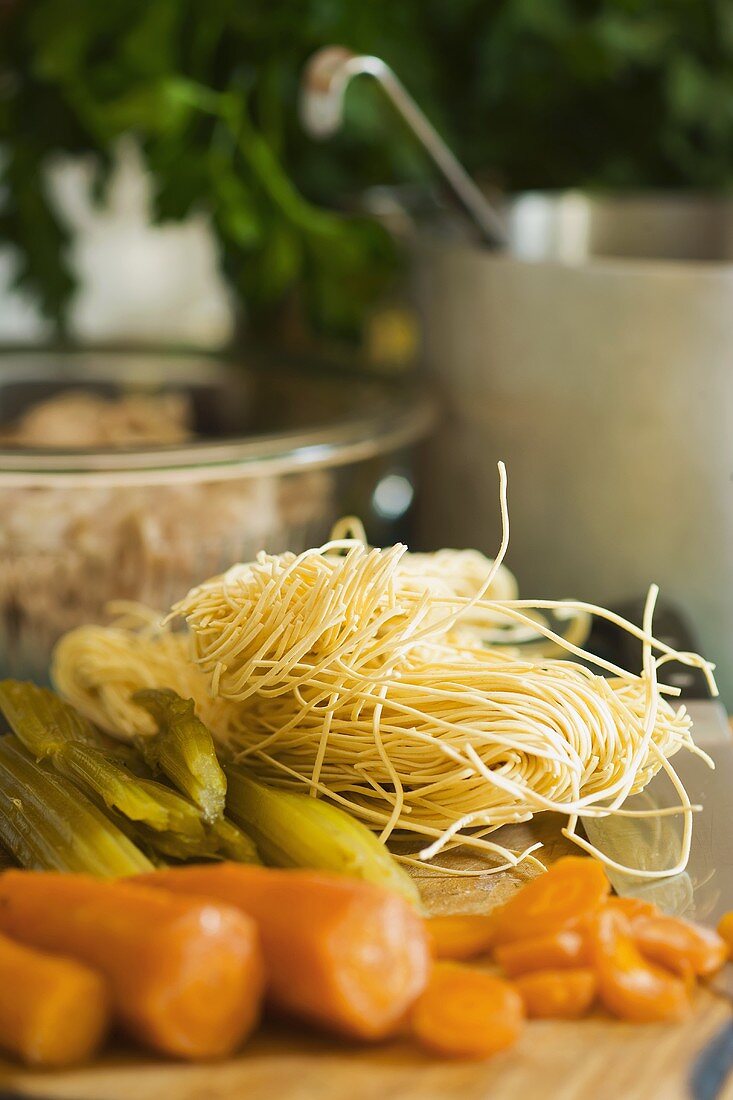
<point>361,674</point>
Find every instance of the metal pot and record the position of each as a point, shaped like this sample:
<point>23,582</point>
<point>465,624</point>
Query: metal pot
<point>586,340</point>
<point>595,356</point>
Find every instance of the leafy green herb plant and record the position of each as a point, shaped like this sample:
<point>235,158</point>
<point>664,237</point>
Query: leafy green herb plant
<point>538,93</point>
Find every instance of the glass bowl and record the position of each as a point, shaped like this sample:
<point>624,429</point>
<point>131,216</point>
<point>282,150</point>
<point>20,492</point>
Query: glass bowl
<point>277,454</point>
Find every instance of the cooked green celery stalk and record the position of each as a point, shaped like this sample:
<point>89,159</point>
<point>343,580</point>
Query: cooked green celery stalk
<point>233,843</point>
<point>41,720</point>
<point>142,800</point>
<point>48,824</point>
<point>169,846</point>
<point>184,818</point>
<point>184,750</point>
<point>118,788</point>
<point>44,722</point>
<point>223,840</point>
<point>295,830</point>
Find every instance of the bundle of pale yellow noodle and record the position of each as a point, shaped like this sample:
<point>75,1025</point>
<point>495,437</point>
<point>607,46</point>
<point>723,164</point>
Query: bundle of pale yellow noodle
<point>346,670</point>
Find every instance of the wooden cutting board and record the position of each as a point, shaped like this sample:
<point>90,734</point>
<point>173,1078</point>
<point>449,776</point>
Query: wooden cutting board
<point>595,1059</point>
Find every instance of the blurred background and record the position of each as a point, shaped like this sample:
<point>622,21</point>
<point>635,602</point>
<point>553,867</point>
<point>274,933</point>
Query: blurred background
<point>222,329</point>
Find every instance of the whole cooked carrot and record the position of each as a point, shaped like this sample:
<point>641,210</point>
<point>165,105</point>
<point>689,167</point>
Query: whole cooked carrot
<point>185,974</point>
<point>53,1011</point>
<point>339,952</point>
<point>466,1013</point>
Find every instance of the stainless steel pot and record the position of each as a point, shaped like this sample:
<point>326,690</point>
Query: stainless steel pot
<point>592,353</point>
<point>595,357</point>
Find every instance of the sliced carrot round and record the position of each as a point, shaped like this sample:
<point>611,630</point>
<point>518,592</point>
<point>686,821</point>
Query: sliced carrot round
<point>679,945</point>
<point>460,936</point>
<point>628,985</point>
<point>466,1013</point>
<point>556,950</point>
<point>562,897</point>
<point>557,994</point>
<point>633,908</point>
<point>725,929</point>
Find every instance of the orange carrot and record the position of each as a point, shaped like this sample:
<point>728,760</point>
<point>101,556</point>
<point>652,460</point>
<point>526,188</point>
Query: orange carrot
<point>557,994</point>
<point>465,1013</point>
<point>460,936</point>
<point>53,1011</point>
<point>628,985</point>
<point>563,897</point>
<point>679,945</point>
<point>725,929</point>
<point>554,951</point>
<point>633,907</point>
<point>185,975</point>
<point>339,952</point>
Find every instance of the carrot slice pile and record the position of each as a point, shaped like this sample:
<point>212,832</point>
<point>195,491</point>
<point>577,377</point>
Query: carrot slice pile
<point>461,936</point>
<point>564,943</point>
<point>563,897</point>
<point>554,951</point>
<point>557,994</point>
<point>466,1013</point>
